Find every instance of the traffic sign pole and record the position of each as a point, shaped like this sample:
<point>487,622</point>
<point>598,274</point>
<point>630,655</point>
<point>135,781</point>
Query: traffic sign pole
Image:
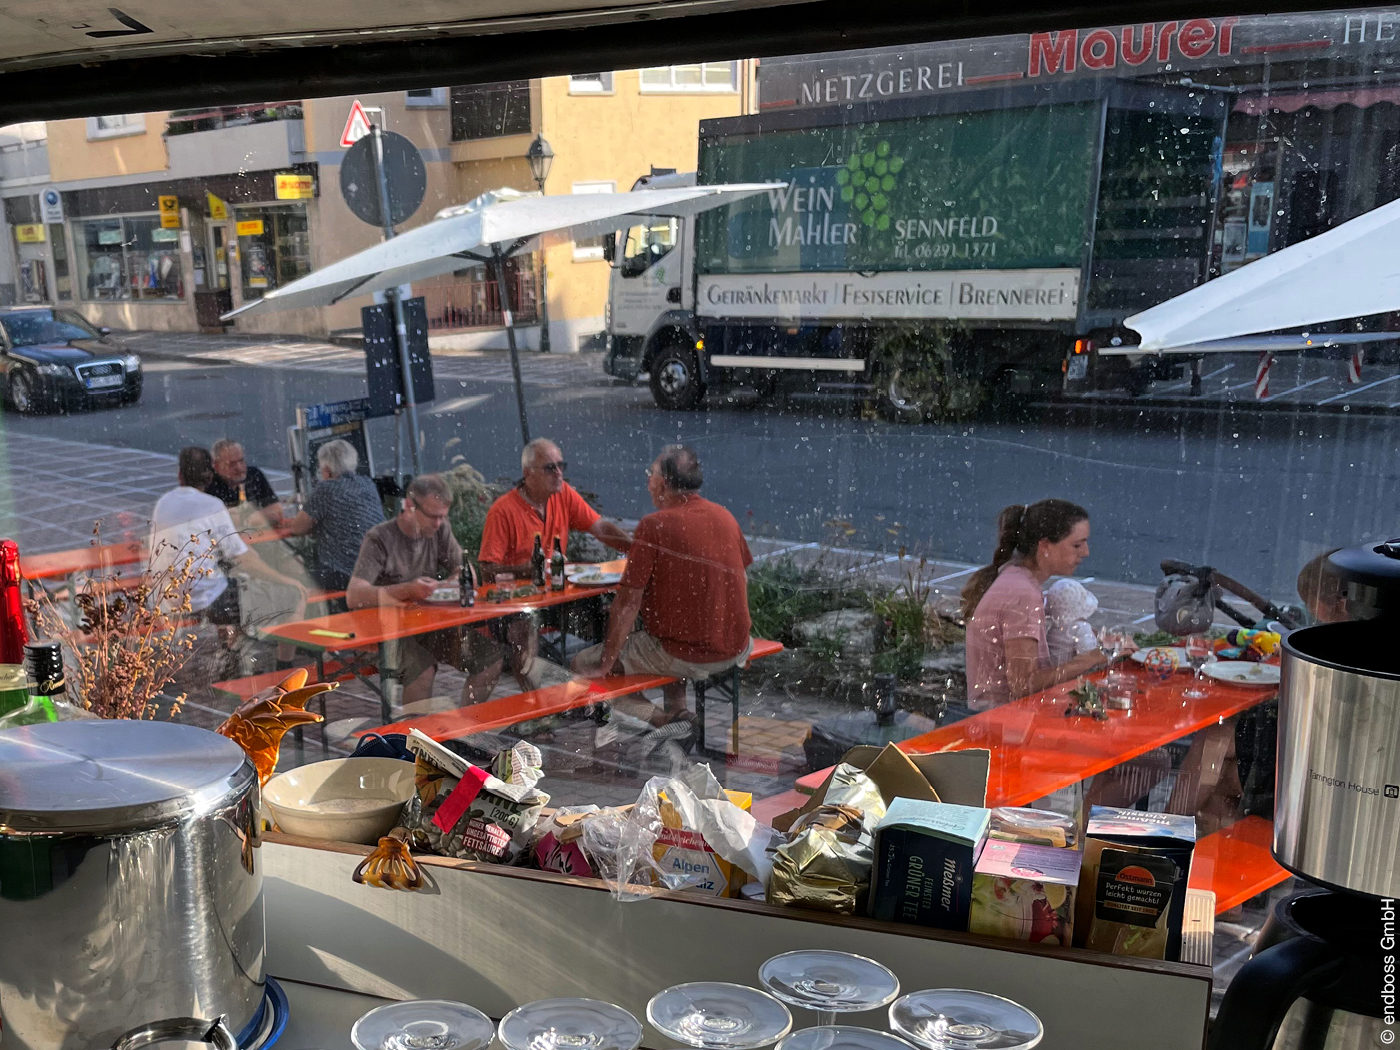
<point>392,294</point>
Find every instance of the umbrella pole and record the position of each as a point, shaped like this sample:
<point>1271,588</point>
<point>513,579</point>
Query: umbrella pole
<point>499,265</point>
<point>410,405</point>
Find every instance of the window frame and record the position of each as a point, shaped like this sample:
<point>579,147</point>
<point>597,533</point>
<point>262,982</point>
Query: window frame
<point>591,252</point>
<point>584,84</point>
<point>133,124</point>
<point>702,88</point>
<point>437,100</point>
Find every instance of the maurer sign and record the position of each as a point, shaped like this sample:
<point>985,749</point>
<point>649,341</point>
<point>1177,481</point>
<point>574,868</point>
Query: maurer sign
<point>1131,50</point>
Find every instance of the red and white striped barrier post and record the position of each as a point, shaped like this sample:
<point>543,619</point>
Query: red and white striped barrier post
<point>1354,366</point>
<point>1261,376</point>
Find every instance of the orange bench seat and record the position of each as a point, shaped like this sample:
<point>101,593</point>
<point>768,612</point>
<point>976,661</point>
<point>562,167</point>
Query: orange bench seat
<point>1235,863</point>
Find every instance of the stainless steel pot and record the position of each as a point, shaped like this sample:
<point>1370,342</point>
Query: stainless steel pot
<point>1337,810</point>
<point>129,886</point>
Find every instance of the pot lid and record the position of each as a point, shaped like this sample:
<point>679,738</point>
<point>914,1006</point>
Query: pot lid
<point>114,776</point>
<point>1375,564</point>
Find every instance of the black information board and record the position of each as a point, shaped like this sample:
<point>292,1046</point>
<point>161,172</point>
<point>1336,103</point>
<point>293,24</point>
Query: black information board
<point>383,375</point>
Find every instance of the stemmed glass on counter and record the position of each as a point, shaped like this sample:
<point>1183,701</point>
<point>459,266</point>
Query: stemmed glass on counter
<point>1200,650</point>
<point>718,1016</point>
<point>829,982</point>
<point>423,1024</point>
<point>570,1024</point>
<point>843,1037</point>
<point>962,1019</point>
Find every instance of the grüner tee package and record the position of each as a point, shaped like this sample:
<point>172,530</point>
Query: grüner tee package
<point>1132,885</point>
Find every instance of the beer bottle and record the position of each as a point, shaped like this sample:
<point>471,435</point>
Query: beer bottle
<point>556,567</point>
<point>537,561</point>
<point>466,584</point>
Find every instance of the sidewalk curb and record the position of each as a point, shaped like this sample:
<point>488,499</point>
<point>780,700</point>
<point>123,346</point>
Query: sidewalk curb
<point>1203,406</point>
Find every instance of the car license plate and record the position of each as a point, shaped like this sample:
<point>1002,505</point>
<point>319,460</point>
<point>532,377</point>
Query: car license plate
<point>100,382</point>
<point>1078,367</point>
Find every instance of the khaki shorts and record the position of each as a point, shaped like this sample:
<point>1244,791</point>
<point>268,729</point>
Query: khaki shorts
<point>469,651</point>
<point>643,654</point>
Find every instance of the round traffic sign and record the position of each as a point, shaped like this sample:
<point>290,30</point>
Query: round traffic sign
<point>403,168</point>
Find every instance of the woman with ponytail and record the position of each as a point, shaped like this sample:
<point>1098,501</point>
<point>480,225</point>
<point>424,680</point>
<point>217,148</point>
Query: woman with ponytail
<point>1007,656</point>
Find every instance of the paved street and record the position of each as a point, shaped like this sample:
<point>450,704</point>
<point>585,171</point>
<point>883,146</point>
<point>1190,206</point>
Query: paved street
<point>1255,493</point>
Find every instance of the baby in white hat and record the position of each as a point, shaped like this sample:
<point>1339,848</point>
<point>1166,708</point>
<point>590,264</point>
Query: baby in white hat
<point>1068,606</point>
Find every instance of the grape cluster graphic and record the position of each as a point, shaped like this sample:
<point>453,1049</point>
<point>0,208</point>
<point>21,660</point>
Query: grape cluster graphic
<point>866,181</point>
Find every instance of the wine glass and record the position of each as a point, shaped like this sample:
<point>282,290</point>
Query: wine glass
<point>843,1037</point>
<point>719,1016</point>
<point>828,982</point>
<point>423,1024</point>
<point>962,1019</point>
<point>1116,641</point>
<point>1200,650</point>
<point>570,1024</point>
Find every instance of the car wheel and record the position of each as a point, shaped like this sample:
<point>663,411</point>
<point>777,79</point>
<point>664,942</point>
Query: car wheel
<point>895,402</point>
<point>675,379</point>
<point>24,393</point>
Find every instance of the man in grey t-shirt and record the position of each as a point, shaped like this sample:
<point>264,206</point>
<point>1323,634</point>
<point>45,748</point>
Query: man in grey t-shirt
<point>342,507</point>
<point>402,561</point>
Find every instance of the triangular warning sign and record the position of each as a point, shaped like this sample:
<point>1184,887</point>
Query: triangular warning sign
<point>356,125</point>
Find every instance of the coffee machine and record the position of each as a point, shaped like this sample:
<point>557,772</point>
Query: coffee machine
<point>1326,959</point>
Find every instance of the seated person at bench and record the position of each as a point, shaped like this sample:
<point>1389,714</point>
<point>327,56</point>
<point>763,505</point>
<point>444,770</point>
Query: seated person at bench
<point>542,504</point>
<point>186,522</point>
<point>686,576</point>
<point>342,507</point>
<point>402,561</point>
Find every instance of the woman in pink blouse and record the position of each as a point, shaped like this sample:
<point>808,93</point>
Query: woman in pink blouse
<point>1004,609</point>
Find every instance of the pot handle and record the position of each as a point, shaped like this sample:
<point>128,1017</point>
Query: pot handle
<point>1261,993</point>
<point>189,1029</point>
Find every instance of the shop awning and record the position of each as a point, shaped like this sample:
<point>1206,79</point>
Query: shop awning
<point>1352,270</point>
<point>505,222</point>
<point>1292,101</point>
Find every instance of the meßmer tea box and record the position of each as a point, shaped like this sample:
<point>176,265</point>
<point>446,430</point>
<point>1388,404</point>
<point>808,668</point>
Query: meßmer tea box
<point>925,854</point>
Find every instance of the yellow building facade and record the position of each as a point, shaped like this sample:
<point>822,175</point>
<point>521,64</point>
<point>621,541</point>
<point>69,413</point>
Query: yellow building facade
<point>120,258</point>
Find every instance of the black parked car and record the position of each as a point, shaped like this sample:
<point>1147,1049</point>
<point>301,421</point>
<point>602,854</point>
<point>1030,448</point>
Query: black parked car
<point>54,359</point>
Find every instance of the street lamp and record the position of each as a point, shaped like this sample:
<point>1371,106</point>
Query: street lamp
<point>541,158</point>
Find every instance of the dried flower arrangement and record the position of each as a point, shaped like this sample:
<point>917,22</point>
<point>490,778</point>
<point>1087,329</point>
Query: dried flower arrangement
<point>130,636</point>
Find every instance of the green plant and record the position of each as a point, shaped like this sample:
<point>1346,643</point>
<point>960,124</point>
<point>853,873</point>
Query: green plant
<point>783,594</point>
<point>472,497</point>
<point>921,372</point>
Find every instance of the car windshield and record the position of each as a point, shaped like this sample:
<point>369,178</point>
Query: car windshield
<point>36,327</point>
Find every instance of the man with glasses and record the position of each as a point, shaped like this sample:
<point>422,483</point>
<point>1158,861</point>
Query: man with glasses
<point>403,561</point>
<point>541,504</point>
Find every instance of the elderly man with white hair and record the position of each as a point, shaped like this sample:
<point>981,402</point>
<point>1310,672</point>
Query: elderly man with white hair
<point>541,504</point>
<point>342,507</point>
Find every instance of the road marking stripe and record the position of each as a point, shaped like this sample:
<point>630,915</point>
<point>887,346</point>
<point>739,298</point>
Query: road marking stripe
<point>1301,386</point>
<point>1357,390</point>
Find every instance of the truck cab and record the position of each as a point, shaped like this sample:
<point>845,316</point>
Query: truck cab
<point>650,324</point>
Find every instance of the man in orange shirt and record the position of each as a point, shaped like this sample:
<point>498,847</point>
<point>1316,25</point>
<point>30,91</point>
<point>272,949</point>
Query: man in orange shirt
<point>687,578</point>
<point>542,504</point>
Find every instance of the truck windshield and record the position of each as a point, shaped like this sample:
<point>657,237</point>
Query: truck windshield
<point>646,244</point>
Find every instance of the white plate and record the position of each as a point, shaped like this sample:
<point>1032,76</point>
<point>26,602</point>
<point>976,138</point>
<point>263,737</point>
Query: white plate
<point>1140,656</point>
<point>583,578</point>
<point>1242,672</point>
<point>445,594</point>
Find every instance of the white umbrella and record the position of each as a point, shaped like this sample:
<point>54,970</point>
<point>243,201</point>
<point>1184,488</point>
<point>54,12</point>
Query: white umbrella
<point>488,230</point>
<point>1350,271</point>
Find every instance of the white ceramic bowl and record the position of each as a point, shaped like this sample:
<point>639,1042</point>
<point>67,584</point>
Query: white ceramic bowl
<point>344,799</point>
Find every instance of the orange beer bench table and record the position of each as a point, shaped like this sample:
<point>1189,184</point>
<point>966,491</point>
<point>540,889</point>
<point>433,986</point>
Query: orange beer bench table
<point>1036,749</point>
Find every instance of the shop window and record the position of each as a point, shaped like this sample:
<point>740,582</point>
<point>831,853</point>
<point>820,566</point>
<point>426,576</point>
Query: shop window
<point>484,111</point>
<point>116,125</point>
<point>591,247</point>
<point>591,84</point>
<point>274,247</point>
<point>127,257</point>
<point>63,282</point>
<point>699,77</point>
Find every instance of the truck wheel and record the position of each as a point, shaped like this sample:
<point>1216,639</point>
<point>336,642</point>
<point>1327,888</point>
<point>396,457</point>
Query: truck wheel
<point>894,402</point>
<point>675,379</point>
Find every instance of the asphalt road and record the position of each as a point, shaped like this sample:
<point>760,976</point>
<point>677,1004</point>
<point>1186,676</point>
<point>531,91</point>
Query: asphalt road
<point>1254,494</point>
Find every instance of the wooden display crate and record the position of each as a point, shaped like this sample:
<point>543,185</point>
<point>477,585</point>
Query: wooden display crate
<point>497,937</point>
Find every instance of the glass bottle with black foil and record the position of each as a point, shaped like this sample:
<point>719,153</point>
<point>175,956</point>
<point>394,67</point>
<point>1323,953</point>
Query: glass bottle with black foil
<point>48,692</point>
<point>556,567</point>
<point>537,561</point>
<point>466,584</point>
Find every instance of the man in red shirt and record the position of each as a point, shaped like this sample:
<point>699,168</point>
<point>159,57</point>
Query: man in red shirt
<point>686,576</point>
<point>542,504</point>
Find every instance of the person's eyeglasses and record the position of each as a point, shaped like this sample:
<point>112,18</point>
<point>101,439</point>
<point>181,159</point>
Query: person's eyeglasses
<point>555,468</point>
